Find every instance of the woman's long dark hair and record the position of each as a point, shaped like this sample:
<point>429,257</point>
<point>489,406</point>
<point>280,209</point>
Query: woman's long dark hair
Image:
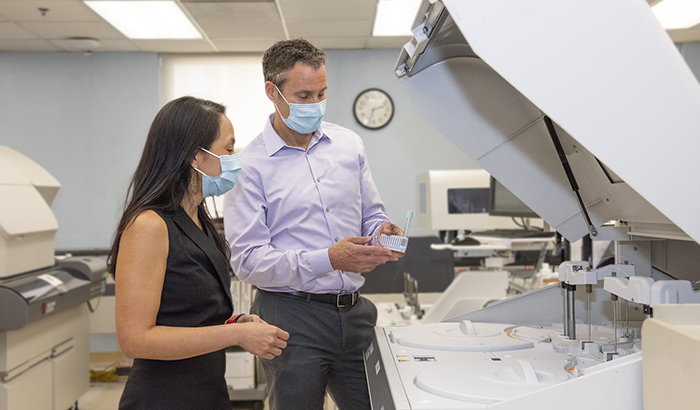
<point>164,172</point>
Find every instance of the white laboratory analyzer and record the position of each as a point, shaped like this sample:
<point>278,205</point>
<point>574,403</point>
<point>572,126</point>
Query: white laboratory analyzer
<point>44,314</point>
<point>588,114</point>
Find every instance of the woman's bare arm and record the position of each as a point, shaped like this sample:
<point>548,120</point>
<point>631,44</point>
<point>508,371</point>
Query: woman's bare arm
<point>141,264</point>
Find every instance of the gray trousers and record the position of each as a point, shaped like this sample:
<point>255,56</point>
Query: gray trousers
<point>324,352</point>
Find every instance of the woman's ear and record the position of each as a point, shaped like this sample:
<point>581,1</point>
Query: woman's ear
<point>195,161</point>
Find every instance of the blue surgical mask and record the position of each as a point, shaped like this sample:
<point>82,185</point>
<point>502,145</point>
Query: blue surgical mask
<point>303,118</point>
<point>219,185</point>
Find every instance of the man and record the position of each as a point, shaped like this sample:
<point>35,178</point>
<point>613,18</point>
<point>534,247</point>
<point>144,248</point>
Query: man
<point>303,223</point>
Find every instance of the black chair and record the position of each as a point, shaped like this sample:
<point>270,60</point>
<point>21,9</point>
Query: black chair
<point>434,270</point>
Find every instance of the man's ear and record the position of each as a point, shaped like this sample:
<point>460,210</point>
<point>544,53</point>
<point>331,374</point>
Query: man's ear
<point>270,90</point>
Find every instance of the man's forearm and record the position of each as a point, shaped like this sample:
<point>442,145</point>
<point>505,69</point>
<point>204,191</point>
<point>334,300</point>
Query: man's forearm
<point>268,267</point>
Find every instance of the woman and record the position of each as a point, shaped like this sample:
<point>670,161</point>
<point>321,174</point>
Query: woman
<point>171,266</point>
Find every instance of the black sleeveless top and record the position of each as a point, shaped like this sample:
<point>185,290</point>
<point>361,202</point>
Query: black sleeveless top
<point>196,292</point>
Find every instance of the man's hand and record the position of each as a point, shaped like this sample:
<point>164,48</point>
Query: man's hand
<point>250,319</point>
<point>388,228</point>
<point>351,255</point>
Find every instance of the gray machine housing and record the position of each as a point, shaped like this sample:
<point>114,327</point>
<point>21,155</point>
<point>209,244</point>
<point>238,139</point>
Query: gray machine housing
<point>26,298</point>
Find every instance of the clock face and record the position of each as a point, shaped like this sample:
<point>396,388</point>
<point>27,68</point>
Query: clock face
<point>373,108</point>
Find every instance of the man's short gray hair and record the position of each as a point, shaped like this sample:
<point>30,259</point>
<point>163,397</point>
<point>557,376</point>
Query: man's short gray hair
<point>283,55</point>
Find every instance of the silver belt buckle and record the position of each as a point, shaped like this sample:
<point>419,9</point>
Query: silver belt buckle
<point>352,302</point>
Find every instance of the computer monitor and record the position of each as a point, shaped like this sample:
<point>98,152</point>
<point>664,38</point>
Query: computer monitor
<point>502,202</point>
<point>455,200</point>
<point>467,201</point>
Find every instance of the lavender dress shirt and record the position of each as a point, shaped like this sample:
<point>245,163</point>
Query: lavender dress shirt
<point>290,205</point>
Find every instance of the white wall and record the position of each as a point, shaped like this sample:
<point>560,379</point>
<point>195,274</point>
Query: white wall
<point>84,119</point>
<point>403,149</point>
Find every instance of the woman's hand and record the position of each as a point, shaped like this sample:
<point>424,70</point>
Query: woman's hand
<point>259,338</point>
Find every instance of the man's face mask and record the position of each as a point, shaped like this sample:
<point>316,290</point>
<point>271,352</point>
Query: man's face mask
<point>303,118</point>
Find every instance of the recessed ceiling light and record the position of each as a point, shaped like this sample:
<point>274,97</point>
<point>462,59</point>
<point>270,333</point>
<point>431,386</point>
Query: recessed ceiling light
<point>395,17</point>
<point>677,14</point>
<point>147,20</point>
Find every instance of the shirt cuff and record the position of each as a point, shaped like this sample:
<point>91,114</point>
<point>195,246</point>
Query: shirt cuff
<point>375,232</point>
<point>319,262</point>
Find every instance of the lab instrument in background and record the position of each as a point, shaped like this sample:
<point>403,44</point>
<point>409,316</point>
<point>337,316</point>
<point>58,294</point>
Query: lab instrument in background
<point>521,250</point>
<point>580,139</point>
<point>459,200</point>
<point>44,318</point>
<point>395,242</point>
<point>502,202</point>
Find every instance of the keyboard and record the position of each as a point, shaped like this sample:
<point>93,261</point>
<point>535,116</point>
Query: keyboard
<point>514,234</point>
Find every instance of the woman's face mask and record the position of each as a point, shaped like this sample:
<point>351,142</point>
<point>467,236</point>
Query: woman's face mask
<point>224,182</point>
<point>303,118</point>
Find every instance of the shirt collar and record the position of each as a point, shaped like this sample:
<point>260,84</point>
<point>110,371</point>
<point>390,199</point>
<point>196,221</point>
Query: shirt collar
<point>274,143</point>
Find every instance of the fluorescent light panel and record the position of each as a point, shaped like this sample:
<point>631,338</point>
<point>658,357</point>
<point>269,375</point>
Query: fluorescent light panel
<point>678,14</point>
<point>395,17</point>
<point>147,20</point>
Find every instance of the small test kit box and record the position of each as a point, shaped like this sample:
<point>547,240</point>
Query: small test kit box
<point>397,243</point>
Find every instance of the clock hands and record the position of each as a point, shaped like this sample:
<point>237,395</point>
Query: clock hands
<point>371,114</point>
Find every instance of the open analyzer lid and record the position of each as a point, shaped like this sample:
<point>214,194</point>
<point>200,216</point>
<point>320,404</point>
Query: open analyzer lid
<point>548,96</point>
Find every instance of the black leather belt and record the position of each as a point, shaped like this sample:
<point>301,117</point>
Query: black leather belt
<point>340,300</point>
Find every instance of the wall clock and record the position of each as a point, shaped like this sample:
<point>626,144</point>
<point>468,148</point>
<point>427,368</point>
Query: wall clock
<point>373,108</point>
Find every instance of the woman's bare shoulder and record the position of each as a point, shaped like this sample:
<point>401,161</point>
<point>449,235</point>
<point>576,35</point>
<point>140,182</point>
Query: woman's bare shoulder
<point>147,225</point>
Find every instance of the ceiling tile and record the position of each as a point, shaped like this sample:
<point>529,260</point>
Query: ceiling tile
<point>329,43</point>
<point>388,42</point>
<point>328,28</point>
<point>248,45</point>
<point>328,10</point>
<point>237,20</point>
<point>105,46</point>
<point>12,31</point>
<point>235,11</point>
<point>57,31</point>
<point>28,10</point>
<point>247,29</point>
<point>27,45</point>
<point>174,46</point>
